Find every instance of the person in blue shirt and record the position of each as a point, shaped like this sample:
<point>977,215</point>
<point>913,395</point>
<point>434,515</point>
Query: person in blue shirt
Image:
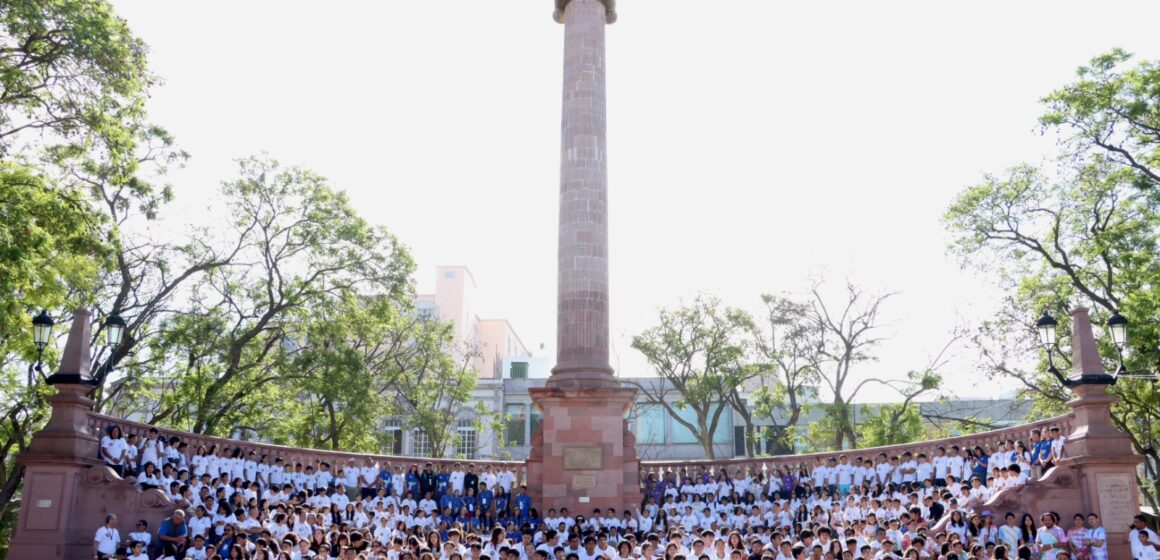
<point>446,501</point>
<point>448,517</point>
<point>502,503</point>
<point>412,479</point>
<point>524,505</point>
<point>386,477</point>
<point>485,499</point>
<point>470,508</point>
<point>442,481</point>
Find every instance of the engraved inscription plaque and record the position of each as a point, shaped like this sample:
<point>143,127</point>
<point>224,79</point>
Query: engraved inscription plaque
<point>584,458</point>
<point>583,481</point>
<point>1115,492</point>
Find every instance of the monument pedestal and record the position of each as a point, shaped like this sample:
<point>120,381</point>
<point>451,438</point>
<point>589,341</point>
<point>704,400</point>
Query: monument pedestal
<point>584,456</point>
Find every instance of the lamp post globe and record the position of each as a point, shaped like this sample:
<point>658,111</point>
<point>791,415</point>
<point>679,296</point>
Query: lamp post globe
<point>42,329</point>
<point>1046,325</point>
<point>1118,326</point>
<point>114,330</point>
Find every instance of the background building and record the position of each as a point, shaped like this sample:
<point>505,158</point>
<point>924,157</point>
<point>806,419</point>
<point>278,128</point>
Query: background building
<point>494,340</point>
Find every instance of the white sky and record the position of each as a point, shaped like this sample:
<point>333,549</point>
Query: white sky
<point>753,144</point>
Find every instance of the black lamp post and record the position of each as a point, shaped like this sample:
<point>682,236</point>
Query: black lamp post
<point>1046,325</point>
<point>114,331</point>
<point>1117,327</point>
<point>41,333</point>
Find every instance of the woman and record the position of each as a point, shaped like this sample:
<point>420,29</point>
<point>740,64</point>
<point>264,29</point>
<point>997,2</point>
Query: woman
<point>1028,529</point>
<point>114,450</point>
<point>957,525</point>
<point>149,478</point>
<point>1078,537</point>
<point>198,462</point>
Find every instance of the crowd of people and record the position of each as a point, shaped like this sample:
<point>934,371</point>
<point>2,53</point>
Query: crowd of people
<point>239,505</point>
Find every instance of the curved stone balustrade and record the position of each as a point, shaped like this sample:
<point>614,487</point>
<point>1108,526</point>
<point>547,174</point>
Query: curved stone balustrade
<point>98,422</point>
<point>985,439</point>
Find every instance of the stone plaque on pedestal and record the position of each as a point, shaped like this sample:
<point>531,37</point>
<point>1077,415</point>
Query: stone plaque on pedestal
<point>589,458</point>
<point>583,482</point>
<point>1115,495</point>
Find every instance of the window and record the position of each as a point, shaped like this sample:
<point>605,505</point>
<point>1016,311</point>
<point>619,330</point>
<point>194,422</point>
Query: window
<point>519,370</point>
<point>393,436</point>
<point>682,435</point>
<point>467,440</point>
<point>421,444</point>
<point>515,419</point>
<point>650,424</point>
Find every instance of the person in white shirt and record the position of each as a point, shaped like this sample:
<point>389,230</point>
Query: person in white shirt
<point>107,538</point>
<point>152,449</point>
<point>844,474</point>
<point>1145,544</point>
<point>941,467</point>
<point>141,533</point>
<point>114,450</point>
<point>909,468</point>
<point>923,470</point>
<point>138,551</point>
<point>198,550</point>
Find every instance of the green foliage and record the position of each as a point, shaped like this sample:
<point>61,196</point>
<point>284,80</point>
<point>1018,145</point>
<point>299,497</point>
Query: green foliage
<point>1112,111</point>
<point>890,424</point>
<point>699,353</point>
<point>66,66</point>
<point>1084,231</point>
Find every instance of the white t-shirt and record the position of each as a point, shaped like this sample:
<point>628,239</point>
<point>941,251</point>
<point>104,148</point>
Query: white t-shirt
<point>845,473</point>
<point>923,470</point>
<point>107,540</point>
<point>941,465</point>
<point>114,448</point>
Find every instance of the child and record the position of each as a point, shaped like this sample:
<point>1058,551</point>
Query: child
<point>138,551</point>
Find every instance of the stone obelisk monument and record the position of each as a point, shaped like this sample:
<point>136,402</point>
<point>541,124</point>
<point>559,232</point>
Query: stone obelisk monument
<point>583,457</point>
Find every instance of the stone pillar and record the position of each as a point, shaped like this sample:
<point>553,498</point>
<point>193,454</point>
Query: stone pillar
<point>583,457</point>
<point>1099,454</point>
<point>68,490</point>
<point>582,260</point>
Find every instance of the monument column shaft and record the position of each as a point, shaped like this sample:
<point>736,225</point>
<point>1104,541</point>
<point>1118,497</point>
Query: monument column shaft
<point>582,297</point>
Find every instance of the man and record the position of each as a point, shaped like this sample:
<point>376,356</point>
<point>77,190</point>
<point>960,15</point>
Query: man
<point>1050,538</point>
<point>173,531</point>
<point>1097,537</point>
<point>1057,442</point>
<point>368,476</point>
<point>471,480</point>
<point>1142,538</point>
<point>107,538</point>
<point>427,481</point>
<point>887,552</point>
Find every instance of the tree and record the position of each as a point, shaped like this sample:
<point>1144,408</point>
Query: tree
<point>843,338</point>
<point>66,67</point>
<point>51,253</point>
<point>788,352</point>
<point>1083,233</point>
<point>698,352</point>
<point>294,246</point>
<point>432,381</point>
<point>852,333</point>
<point>1112,112</point>
<point>890,424</point>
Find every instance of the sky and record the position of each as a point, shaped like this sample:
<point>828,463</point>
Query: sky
<point>753,145</point>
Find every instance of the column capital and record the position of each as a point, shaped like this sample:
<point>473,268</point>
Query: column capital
<point>609,10</point>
